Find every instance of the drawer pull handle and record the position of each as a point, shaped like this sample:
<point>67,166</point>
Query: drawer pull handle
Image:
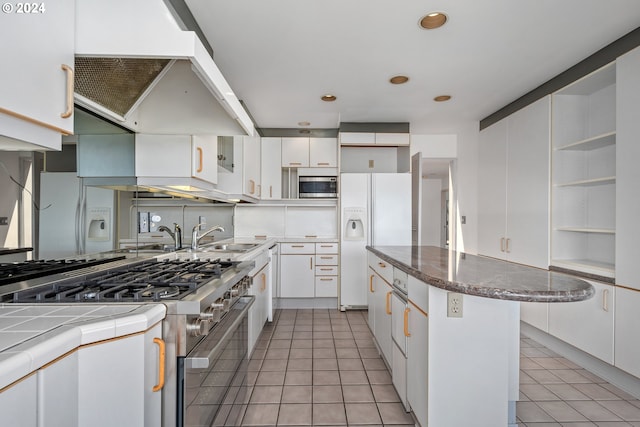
<point>388,303</point>
<point>502,244</point>
<point>605,300</point>
<point>311,262</point>
<point>161,362</point>
<point>406,322</point>
<point>326,246</point>
<point>199,169</point>
<point>271,191</point>
<point>326,257</point>
<point>297,246</point>
<point>295,163</point>
<point>323,164</point>
<point>371,283</point>
<point>67,69</point>
<point>326,280</point>
<point>326,269</point>
<point>311,236</point>
<point>382,265</point>
<point>264,281</point>
<point>507,249</point>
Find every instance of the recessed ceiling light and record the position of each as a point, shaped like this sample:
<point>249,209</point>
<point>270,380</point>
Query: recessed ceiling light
<point>328,98</point>
<point>433,20</point>
<point>398,80</point>
<point>442,98</point>
<point>304,123</point>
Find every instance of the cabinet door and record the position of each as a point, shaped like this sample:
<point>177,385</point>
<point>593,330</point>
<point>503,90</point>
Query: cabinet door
<point>357,138</point>
<point>323,152</point>
<point>251,166</point>
<point>163,155</point>
<point>588,324</point>
<point>418,355</point>
<point>383,313</point>
<point>232,181</point>
<point>34,84</point>
<point>627,269</point>
<point>54,381</point>
<point>297,276</point>
<point>19,403</point>
<point>371,302</point>
<point>295,152</point>
<point>627,345</point>
<point>528,185</point>
<point>393,139</point>
<point>271,168</point>
<point>492,194</point>
<point>204,161</point>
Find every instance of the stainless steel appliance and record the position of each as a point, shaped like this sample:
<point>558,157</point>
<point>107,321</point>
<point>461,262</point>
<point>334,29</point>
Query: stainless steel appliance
<point>206,319</point>
<point>310,187</point>
<point>25,270</point>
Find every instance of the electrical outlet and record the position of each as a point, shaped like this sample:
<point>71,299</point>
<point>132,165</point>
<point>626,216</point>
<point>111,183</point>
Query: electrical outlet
<point>202,220</point>
<point>454,304</point>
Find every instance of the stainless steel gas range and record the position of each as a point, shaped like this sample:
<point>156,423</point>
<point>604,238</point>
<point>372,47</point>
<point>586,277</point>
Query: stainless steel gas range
<point>205,330</point>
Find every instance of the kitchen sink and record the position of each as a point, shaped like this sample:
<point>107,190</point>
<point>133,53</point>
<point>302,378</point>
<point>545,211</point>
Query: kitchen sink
<point>229,247</point>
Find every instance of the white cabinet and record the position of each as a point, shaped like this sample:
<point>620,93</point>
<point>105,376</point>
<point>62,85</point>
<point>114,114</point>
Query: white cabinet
<point>587,325</point>
<point>258,313</point>
<point>326,270</point>
<point>19,403</point>
<point>627,267</point>
<point>179,156</point>
<point>297,270</point>
<point>37,83</point>
<point>627,321</point>
<point>374,138</point>
<point>309,152</point>
<point>56,380</point>
<point>513,202</point>
<point>295,152</point>
<point>379,303</point>
<point>584,174</point>
<point>323,152</point>
<point>399,335</point>
<point>124,373</point>
<point>271,168</point>
<point>418,349</point>
<point>251,166</point>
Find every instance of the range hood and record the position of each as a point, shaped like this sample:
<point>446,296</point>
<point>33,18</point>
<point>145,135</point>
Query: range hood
<point>138,68</point>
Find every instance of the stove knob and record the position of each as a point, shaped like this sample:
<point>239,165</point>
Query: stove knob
<point>197,327</point>
<point>234,293</point>
<point>213,313</point>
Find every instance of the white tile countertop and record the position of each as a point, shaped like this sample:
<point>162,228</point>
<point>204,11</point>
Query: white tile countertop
<point>32,336</point>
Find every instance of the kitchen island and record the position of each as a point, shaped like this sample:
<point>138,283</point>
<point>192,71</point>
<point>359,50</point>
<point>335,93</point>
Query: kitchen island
<point>462,327</point>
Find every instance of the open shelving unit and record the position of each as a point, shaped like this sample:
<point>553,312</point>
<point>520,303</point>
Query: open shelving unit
<point>584,174</point>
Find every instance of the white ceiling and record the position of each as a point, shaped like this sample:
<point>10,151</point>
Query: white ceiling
<point>281,56</point>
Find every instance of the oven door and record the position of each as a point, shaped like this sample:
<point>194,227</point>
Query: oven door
<point>206,374</point>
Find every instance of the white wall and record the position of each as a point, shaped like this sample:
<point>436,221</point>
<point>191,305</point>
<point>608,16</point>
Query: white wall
<point>9,197</point>
<point>432,226</point>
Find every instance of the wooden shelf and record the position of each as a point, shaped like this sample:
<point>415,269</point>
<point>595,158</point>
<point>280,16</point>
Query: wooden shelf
<point>587,266</point>
<point>587,230</point>
<point>590,182</point>
<point>592,143</point>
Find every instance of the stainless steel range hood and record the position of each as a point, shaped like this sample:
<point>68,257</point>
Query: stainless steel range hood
<point>135,66</point>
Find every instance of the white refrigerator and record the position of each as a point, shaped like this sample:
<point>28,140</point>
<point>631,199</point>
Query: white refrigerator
<point>74,219</point>
<point>375,210</point>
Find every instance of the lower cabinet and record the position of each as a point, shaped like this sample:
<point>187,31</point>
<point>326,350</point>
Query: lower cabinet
<point>123,372</point>
<point>19,403</point>
<point>417,360</point>
<point>297,276</point>
<point>587,325</point>
<point>627,345</point>
<point>259,311</point>
<point>399,335</point>
<point>53,382</point>
<point>309,270</point>
<point>382,311</point>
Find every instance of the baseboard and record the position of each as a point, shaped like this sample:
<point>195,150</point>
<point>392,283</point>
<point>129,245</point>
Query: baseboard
<point>291,303</point>
<point>606,371</point>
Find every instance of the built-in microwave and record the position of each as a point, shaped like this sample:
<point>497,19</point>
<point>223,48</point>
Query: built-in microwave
<point>317,187</point>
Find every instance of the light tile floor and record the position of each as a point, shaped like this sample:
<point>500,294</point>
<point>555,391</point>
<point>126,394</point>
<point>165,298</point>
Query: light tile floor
<point>321,368</point>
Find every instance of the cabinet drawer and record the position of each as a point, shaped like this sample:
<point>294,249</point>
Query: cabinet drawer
<point>383,268</point>
<point>326,248</point>
<point>326,259</point>
<point>297,248</point>
<point>327,286</point>
<point>327,270</point>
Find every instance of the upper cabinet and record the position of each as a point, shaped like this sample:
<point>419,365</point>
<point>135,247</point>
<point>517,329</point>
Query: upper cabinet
<point>242,181</point>
<point>270,168</point>
<point>177,156</point>
<point>627,171</point>
<point>309,152</point>
<point>374,138</point>
<point>584,174</point>
<point>36,91</point>
<point>513,187</point>
<point>251,166</point>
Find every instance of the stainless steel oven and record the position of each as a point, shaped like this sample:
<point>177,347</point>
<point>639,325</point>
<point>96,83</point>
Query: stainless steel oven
<point>211,377</point>
<point>318,187</point>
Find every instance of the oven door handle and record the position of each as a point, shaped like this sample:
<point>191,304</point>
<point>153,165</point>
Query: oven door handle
<point>201,361</point>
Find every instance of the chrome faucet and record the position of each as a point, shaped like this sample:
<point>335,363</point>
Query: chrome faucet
<point>195,238</point>
<point>176,234</point>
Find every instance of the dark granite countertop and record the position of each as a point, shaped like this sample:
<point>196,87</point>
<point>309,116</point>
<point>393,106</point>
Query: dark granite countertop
<point>10,251</point>
<point>482,276</point>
